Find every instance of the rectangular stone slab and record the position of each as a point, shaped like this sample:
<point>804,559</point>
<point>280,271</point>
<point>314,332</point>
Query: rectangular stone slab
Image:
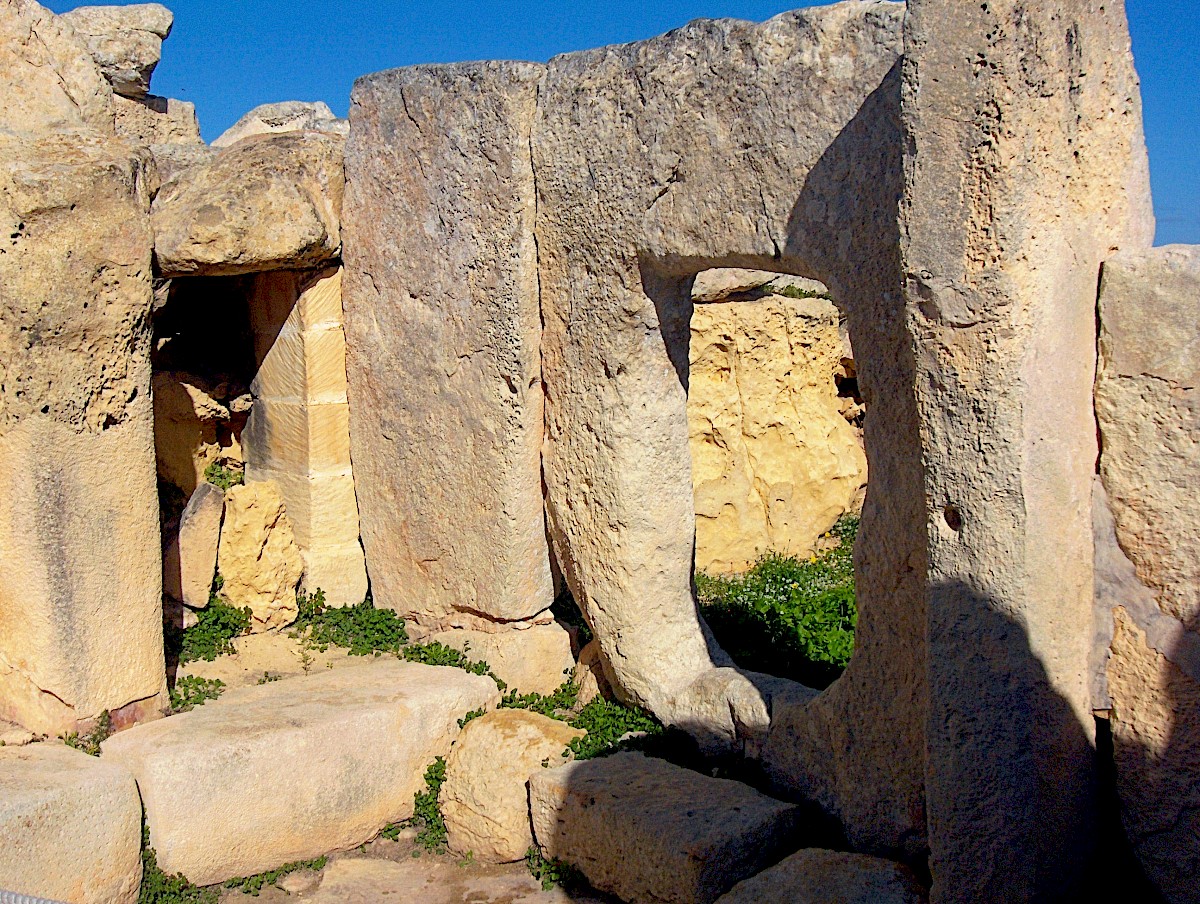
<point>293,769</point>
<point>646,830</point>
<point>70,826</point>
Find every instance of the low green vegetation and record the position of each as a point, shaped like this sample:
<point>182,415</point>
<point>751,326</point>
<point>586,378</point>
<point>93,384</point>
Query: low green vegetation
<point>361,629</point>
<point>90,742</point>
<point>427,814</point>
<point>789,617</point>
<point>253,885</point>
<point>553,872</point>
<point>562,700</point>
<point>192,691</point>
<point>223,476</point>
<point>439,654</point>
<point>213,634</point>
<point>606,723</point>
<point>159,888</point>
<point>795,292</point>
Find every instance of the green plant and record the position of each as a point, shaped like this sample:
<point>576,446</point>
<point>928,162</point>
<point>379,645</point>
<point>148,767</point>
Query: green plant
<point>552,872</point>
<point>159,888</point>
<point>217,625</point>
<point>473,714</point>
<point>795,292</point>
<point>221,475</point>
<point>267,678</point>
<point>90,743</point>
<point>567,611</point>
<point>439,654</point>
<point>788,617</point>
<point>427,814</point>
<point>362,629</point>
<point>192,690</point>
<point>252,885</point>
<point>606,722</point>
<point>560,700</point>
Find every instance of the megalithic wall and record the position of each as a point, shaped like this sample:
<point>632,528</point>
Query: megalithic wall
<point>1025,168</point>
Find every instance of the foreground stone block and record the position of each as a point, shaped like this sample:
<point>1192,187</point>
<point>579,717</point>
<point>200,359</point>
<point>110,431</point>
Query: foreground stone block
<point>288,116</point>
<point>1148,408</point>
<point>125,41</point>
<point>71,826</point>
<point>190,560</point>
<point>441,255</point>
<point>646,830</point>
<point>485,799</point>
<point>271,202</point>
<point>293,769</point>
<point>258,556</point>
<point>823,877</point>
<point>81,602</point>
<point>533,659</point>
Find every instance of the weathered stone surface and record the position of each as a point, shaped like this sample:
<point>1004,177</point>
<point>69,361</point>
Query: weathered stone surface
<point>272,656</point>
<point>258,556</point>
<point>485,798</point>
<point>81,602</point>
<point>272,202</point>
<point>646,830</point>
<point>774,462</point>
<point>188,418</point>
<point>71,824</point>
<point>814,876</point>
<point>50,80</point>
<point>125,41</point>
<point>591,675</point>
<point>1000,294</point>
<point>724,283</point>
<point>659,127</point>
<point>155,120</point>
<point>441,255</point>
<point>1148,408</point>
<point>190,560</point>
<point>288,116</point>
<point>532,659</point>
<point>298,434</point>
<point>292,769</point>
<point>173,159</point>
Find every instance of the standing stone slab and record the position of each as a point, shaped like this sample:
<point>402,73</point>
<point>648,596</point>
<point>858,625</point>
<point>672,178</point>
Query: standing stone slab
<point>1148,407</point>
<point>648,831</point>
<point>71,826</point>
<point>1025,169</point>
<point>293,769</point>
<point>443,327</point>
<point>190,561</point>
<point>81,599</point>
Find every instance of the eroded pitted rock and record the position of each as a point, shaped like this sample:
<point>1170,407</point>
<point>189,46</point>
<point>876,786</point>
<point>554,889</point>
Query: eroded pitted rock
<point>288,116</point>
<point>815,876</point>
<point>271,202</point>
<point>125,41</point>
<point>258,557</point>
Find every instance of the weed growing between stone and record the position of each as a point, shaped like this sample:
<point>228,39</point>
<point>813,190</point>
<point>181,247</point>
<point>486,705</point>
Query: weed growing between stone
<point>90,743</point>
<point>362,629</point>
<point>473,714</point>
<point>788,617</point>
<point>427,813</point>
<point>561,700</point>
<point>795,292</point>
<point>253,885</point>
<point>553,872</point>
<point>220,475</point>
<point>606,723</point>
<point>159,888</point>
<point>439,654</point>
<point>217,625</point>
<point>192,691</point>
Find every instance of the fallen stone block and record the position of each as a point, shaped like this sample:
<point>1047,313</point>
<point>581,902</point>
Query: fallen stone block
<point>485,798</point>
<point>258,556</point>
<point>815,876</point>
<point>293,769</point>
<point>71,826</point>
<point>190,560</point>
<point>646,830</point>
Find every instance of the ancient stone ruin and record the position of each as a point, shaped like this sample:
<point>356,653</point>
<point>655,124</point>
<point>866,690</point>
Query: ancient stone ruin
<point>518,334</point>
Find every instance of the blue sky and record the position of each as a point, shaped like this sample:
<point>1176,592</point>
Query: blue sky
<point>227,56</point>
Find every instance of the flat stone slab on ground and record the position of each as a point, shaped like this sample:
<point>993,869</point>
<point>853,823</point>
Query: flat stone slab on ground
<point>260,658</point>
<point>647,830</point>
<point>293,769</point>
<point>815,876</point>
<point>70,826</point>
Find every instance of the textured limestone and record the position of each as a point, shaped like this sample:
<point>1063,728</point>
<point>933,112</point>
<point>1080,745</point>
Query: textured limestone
<point>50,80</point>
<point>774,463</point>
<point>724,283</point>
<point>298,434</point>
<point>190,560</point>
<point>293,769</point>
<point>1148,408</point>
<point>154,120</point>
<point>81,603</point>
<point>485,798</point>
<point>258,556</point>
<point>814,876</point>
<point>188,418</point>
<point>440,256</point>
<point>592,675</point>
<point>532,659</point>
<point>125,41</point>
<point>71,824</point>
<point>276,654</point>
<point>272,202</point>
<point>646,830</point>
<point>289,116</point>
<point>1024,171</point>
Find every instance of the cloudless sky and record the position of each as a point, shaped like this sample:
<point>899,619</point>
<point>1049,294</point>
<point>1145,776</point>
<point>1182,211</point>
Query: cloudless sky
<point>228,56</point>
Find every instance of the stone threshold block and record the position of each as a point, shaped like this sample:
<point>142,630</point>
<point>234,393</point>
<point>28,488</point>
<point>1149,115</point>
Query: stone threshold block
<point>293,769</point>
<point>70,826</point>
<point>649,831</point>
<point>815,876</point>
